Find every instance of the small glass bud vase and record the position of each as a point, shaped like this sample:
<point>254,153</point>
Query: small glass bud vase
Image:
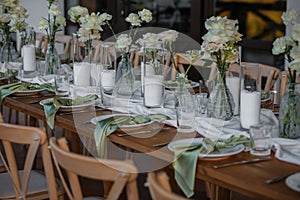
<point>52,61</point>
<point>124,77</point>
<point>289,113</point>
<point>220,103</point>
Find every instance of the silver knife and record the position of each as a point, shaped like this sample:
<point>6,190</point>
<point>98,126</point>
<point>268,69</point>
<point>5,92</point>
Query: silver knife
<point>242,162</point>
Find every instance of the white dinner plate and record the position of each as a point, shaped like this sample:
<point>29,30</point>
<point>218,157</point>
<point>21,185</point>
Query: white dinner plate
<point>69,108</point>
<point>293,181</point>
<point>102,117</point>
<point>224,152</point>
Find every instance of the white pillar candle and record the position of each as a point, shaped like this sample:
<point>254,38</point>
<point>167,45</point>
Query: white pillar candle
<point>233,83</point>
<point>154,91</point>
<point>250,108</point>
<point>108,78</point>
<point>82,73</point>
<point>29,59</point>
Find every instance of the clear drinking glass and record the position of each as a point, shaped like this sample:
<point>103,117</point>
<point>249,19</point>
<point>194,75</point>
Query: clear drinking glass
<point>185,113</point>
<point>260,136</point>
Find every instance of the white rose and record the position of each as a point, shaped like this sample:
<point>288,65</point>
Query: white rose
<point>4,17</point>
<point>54,10</point>
<point>295,34</point>
<point>289,17</point>
<point>133,19</point>
<point>123,41</point>
<point>145,15</point>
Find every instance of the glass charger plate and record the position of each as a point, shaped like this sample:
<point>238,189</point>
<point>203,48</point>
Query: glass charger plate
<point>175,84</point>
<point>28,92</point>
<point>224,152</point>
<point>69,108</point>
<point>129,126</point>
<point>293,182</point>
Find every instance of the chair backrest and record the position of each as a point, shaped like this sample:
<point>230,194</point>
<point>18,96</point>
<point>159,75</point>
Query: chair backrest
<point>181,60</point>
<point>121,173</point>
<point>35,139</point>
<point>160,188</point>
<point>269,73</point>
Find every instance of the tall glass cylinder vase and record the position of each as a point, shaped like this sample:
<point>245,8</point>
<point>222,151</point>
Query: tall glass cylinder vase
<point>124,77</point>
<point>52,61</point>
<point>81,63</point>
<point>250,95</point>
<point>289,114</point>
<point>221,103</point>
<point>152,65</point>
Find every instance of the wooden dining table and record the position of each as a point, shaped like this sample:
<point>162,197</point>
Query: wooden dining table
<point>247,179</point>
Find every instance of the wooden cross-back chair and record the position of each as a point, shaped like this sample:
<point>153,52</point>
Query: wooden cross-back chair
<point>160,188</point>
<point>122,174</point>
<point>269,73</point>
<point>27,183</point>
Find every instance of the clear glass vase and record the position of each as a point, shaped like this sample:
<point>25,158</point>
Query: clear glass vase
<point>220,102</point>
<point>8,54</point>
<point>52,61</point>
<point>125,77</point>
<point>289,114</point>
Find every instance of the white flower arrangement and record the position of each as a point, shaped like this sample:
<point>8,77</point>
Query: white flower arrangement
<point>135,21</point>
<point>54,22</point>
<point>219,43</point>
<point>90,24</point>
<point>12,16</point>
<point>289,44</point>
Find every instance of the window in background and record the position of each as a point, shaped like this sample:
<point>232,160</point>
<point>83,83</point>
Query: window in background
<point>260,23</point>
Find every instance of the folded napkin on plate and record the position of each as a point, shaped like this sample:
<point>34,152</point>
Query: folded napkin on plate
<point>52,107</point>
<point>288,153</point>
<point>8,89</point>
<point>186,156</point>
<point>107,126</point>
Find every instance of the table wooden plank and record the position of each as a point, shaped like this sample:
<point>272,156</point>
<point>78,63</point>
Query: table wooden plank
<point>247,179</point>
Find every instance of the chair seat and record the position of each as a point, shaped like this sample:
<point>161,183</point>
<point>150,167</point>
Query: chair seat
<point>40,186</point>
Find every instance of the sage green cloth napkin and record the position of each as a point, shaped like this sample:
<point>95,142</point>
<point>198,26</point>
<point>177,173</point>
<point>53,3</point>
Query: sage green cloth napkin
<point>186,156</point>
<point>8,89</point>
<point>52,107</point>
<point>107,126</point>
